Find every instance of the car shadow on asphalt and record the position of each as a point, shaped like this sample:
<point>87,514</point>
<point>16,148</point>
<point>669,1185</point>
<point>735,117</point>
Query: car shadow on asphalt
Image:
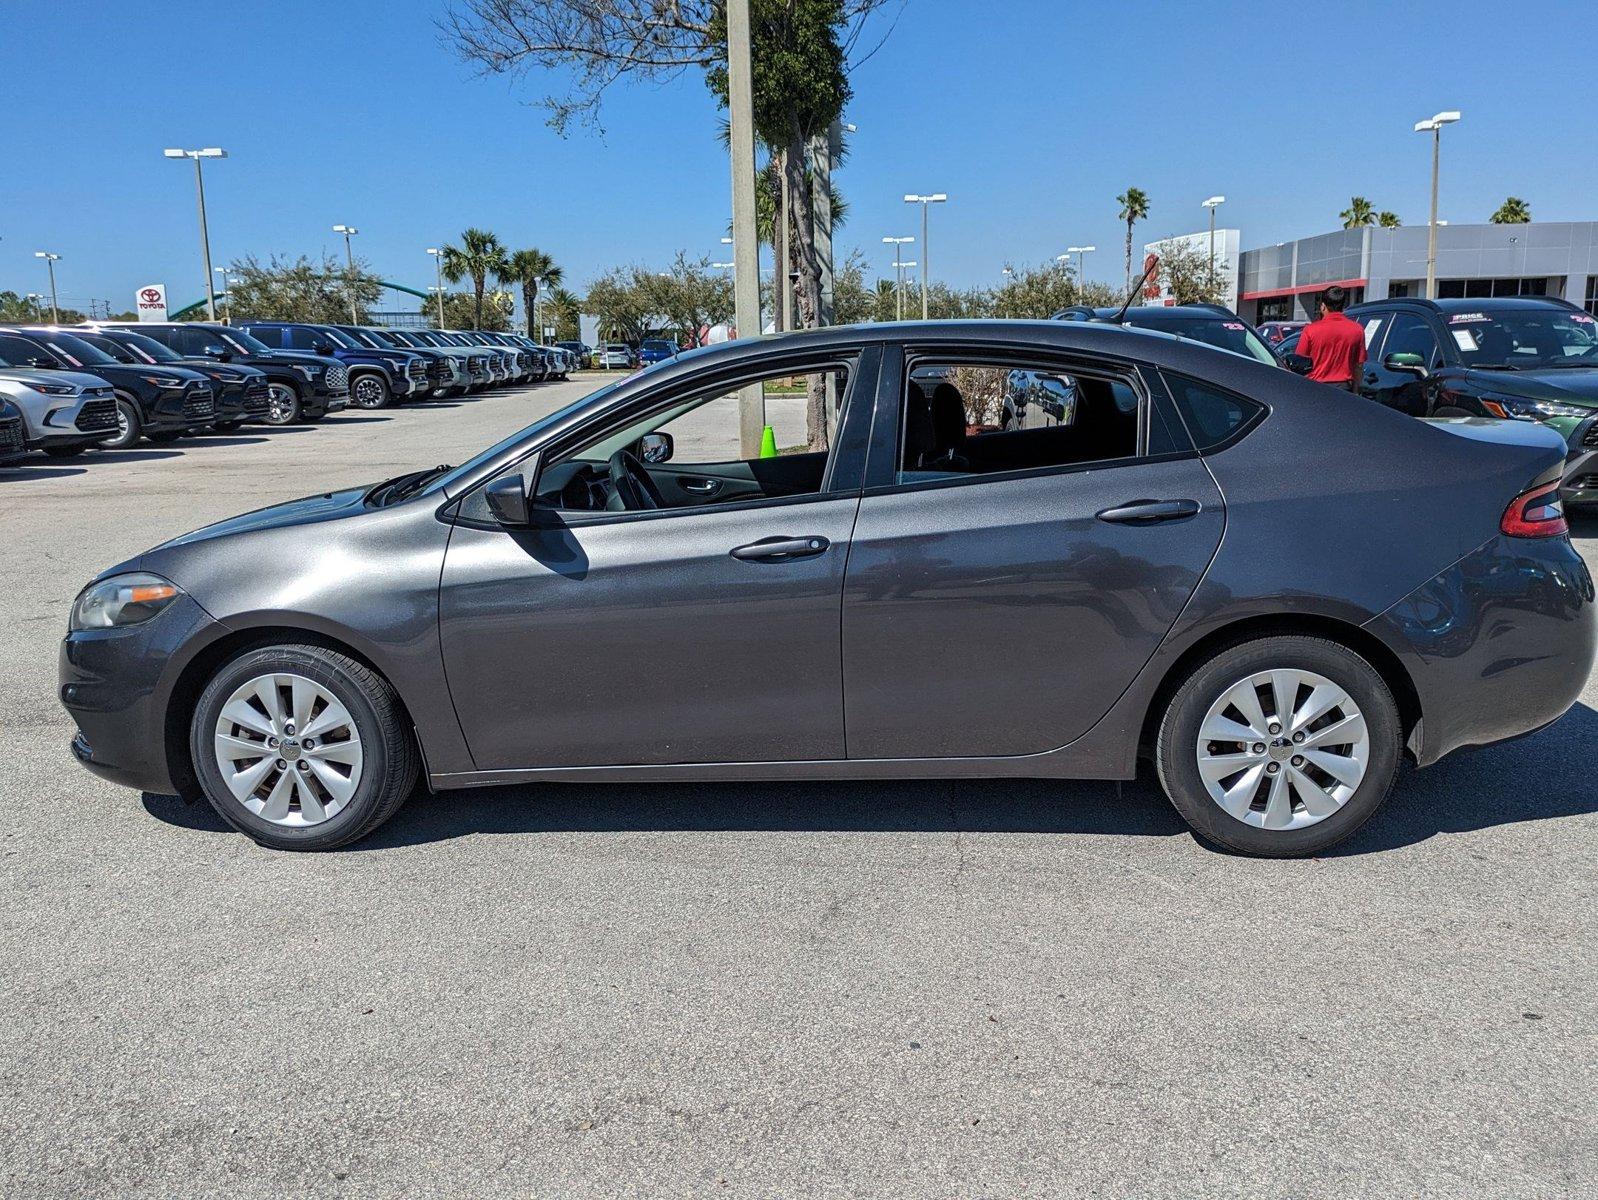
<point>225,440</point>
<point>1542,777</point>
<point>127,456</point>
<point>22,474</point>
<point>341,419</point>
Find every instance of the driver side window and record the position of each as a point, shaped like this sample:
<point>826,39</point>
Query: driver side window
<point>689,453</point>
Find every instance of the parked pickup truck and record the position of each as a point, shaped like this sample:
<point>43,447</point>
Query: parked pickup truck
<point>378,377</point>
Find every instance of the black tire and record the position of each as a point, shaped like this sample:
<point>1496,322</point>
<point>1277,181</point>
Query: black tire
<point>371,391</point>
<point>130,425</point>
<point>64,451</point>
<point>1176,758</point>
<point>391,761</point>
<point>283,403</point>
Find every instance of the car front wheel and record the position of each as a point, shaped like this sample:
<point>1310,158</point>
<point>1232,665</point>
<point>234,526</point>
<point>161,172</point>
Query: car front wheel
<point>301,747</point>
<point>282,403</point>
<point>1280,746</point>
<point>130,426</point>
<point>370,391</point>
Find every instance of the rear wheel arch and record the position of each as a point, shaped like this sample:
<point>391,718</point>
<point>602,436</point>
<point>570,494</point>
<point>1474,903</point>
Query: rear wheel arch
<point>1362,642</point>
<point>198,671</point>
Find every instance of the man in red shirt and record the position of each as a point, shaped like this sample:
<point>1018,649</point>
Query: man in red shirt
<point>1334,345</point>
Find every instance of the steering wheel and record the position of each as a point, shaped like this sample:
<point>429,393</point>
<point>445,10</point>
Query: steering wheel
<point>630,483</point>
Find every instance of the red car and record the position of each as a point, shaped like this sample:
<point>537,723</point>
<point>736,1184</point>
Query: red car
<point>1274,331</point>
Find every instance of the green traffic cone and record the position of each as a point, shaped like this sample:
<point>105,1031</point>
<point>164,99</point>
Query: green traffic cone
<point>768,443</point>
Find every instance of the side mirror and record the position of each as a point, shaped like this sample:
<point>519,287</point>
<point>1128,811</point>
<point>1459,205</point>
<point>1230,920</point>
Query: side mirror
<point>1297,363</point>
<point>507,500</point>
<point>323,348</point>
<point>655,447</point>
<point>1406,364</point>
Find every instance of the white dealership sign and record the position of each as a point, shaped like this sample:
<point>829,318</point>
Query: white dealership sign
<point>150,300</point>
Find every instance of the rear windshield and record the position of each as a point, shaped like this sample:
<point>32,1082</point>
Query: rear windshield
<point>1212,331</point>
<point>659,346</point>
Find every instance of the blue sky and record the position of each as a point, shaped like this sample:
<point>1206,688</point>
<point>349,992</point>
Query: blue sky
<point>1032,114</point>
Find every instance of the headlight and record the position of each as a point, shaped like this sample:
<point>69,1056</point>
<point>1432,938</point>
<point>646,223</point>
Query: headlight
<point>162,381</point>
<point>309,372</point>
<point>1522,409</point>
<point>53,389</point>
<point>122,600</point>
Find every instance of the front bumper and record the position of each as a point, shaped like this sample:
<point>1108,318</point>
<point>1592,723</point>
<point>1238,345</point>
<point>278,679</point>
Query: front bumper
<point>118,684</point>
<point>317,397</point>
<point>1498,645</point>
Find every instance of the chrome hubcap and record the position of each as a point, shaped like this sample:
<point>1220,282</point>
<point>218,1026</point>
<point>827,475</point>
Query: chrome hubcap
<point>288,750</point>
<point>280,403</point>
<point>368,392</point>
<point>1283,749</point>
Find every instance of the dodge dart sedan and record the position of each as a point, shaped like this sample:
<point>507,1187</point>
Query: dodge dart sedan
<point>1269,591</point>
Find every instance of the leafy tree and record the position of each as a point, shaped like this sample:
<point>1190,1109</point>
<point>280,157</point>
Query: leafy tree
<point>479,255</point>
<point>299,289</point>
<point>619,302</point>
<point>1358,213</point>
<point>16,308</point>
<point>1513,211</point>
<point>566,309</point>
<point>1134,204</point>
<point>460,311</point>
<point>528,269</point>
<point>691,296</point>
<point>1388,220</point>
<point>1188,274</point>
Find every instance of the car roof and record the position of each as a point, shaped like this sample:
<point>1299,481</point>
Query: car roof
<point>1476,304</point>
<point>1214,312</point>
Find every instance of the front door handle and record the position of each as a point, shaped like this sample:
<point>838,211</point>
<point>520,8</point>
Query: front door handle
<point>703,487</point>
<point>1147,512</point>
<point>781,549</point>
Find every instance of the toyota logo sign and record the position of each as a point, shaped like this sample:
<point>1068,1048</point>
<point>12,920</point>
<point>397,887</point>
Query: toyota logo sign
<point>150,301</point>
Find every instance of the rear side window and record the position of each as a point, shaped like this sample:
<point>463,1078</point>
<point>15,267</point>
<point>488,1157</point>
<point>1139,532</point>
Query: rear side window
<point>267,335</point>
<point>1214,418</point>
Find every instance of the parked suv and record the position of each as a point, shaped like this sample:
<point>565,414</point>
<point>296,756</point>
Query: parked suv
<point>377,377</point>
<point>59,412</point>
<point>477,359</point>
<point>1527,358</point>
<point>582,350</point>
<point>241,393</point>
<point>1213,324</point>
<point>300,386</point>
<point>443,374</point>
<point>501,361</point>
<point>617,354</point>
<point>160,403</point>
<point>654,350</point>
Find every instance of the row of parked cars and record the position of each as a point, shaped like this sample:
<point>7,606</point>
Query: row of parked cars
<point>65,389</point>
<point>1525,358</point>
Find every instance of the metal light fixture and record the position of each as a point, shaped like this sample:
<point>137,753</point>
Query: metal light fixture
<point>199,192</point>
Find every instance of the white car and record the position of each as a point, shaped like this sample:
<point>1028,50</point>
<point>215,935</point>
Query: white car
<point>63,412</point>
<point>616,354</point>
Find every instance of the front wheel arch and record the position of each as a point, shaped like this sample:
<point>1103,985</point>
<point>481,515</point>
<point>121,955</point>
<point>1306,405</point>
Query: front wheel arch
<point>198,671</point>
<point>1367,645</point>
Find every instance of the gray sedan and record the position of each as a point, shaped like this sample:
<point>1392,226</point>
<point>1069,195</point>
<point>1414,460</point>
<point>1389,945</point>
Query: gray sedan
<point>838,555</point>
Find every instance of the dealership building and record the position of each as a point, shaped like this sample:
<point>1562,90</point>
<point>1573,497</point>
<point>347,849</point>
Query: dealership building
<point>1543,258</point>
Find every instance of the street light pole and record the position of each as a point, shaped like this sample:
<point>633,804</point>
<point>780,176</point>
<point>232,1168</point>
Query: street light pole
<point>1081,253</point>
<point>898,271</point>
<point>227,294</point>
<point>349,231</point>
<point>745,228</point>
<point>205,232</point>
<point>926,256</point>
<point>38,309</point>
<point>1213,203</point>
<point>438,269</point>
<point>50,261</point>
<point>1434,127</point>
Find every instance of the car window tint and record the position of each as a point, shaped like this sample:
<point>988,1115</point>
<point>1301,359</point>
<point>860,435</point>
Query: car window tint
<point>1212,416</point>
<point>266,335</point>
<point>19,351</point>
<point>974,418</point>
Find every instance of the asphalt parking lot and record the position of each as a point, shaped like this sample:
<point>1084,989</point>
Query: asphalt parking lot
<point>968,989</point>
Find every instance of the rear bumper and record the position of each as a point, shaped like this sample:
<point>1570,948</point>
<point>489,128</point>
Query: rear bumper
<point>1498,645</point>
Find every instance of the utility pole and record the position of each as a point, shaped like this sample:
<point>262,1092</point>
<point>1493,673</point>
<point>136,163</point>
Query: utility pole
<point>50,261</point>
<point>438,268</point>
<point>349,231</point>
<point>745,235</point>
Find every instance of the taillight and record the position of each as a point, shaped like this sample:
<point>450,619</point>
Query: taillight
<point>1536,512</point>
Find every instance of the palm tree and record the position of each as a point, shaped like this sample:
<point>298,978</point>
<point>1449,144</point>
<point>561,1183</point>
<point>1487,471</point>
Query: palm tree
<point>567,309</point>
<point>1359,212</point>
<point>1134,208</point>
<point>529,269</point>
<point>1513,211</point>
<point>479,255</point>
<point>1388,220</point>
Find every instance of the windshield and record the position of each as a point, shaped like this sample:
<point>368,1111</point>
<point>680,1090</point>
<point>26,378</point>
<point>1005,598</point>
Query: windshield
<point>75,350</point>
<point>147,348</point>
<point>242,342</point>
<point>338,337</point>
<point>467,468</point>
<point>1225,335</point>
<point>658,345</point>
<point>1529,337</point>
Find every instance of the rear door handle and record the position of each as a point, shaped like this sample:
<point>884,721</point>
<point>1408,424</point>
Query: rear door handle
<point>1147,512</point>
<point>781,549</point>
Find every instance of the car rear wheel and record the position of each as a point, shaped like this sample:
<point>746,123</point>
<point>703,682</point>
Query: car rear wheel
<point>301,747</point>
<point>370,391</point>
<point>282,403</point>
<point>130,426</point>
<point>1280,746</point>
